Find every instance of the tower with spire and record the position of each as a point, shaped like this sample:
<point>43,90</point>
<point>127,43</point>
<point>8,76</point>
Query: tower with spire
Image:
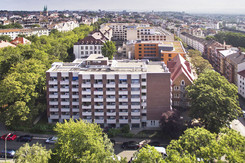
<point>45,10</point>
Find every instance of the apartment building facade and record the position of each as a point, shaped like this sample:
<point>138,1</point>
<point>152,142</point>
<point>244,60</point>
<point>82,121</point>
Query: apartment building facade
<point>13,33</point>
<point>110,93</point>
<point>241,83</point>
<point>159,50</point>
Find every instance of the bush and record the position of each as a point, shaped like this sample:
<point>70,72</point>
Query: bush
<point>42,128</point>
<point>113,132</point>
<point>125,129</point>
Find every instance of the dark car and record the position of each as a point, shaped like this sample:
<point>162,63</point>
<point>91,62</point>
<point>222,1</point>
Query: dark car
<point>25,138</point>
<point>130,145</point>
<point>154,143</point>
<point>10,136</point>
<point>10,153</point>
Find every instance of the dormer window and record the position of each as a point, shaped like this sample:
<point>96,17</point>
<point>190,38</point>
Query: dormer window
<point>182,82</point>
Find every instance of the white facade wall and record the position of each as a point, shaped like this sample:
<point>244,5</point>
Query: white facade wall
<point>241,85</point>
<point>83,51</point>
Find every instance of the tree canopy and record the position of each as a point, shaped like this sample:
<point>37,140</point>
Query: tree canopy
<point>35,153</point>
<point>200,144</point>
<point>148,154</point>
<point>22,73</point>
<point>231,38</point>
<point>214,101</point>
<point>109,49</point>
<point>80,141</point>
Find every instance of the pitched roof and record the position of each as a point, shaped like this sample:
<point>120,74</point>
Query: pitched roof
<point>238,57</point>
<point>20,40</point>
<point>4,44</point>
<point>242,73</point>
<point>89,40</point>
<point>180,66</point>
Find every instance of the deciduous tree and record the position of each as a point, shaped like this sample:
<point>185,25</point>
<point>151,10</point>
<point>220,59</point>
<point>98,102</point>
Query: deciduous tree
<point>214,101</point>
<point>109,49</point>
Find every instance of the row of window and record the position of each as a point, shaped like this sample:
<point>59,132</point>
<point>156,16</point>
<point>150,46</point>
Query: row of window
<point>90,47</point>
<point>91,52</point>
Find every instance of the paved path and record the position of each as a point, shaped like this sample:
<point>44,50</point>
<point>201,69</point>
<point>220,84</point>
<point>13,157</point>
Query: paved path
<point>239,125</point>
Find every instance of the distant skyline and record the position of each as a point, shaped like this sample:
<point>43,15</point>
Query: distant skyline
<point>189,6</point>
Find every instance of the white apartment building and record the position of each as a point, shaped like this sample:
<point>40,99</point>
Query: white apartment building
<point>241,83</point>
<point>66,26</point>
<point>112,93</point>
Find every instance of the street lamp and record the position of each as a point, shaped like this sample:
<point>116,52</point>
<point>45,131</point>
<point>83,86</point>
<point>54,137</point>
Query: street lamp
<point>6,146</point>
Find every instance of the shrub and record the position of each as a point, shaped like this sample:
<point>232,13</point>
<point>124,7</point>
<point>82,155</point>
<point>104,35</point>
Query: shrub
<point>125,129</point>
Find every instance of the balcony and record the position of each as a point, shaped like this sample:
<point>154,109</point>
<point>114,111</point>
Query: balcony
<point>99,121</point>
<point>110,85</point>
<point>135,120</point>
<point>75,117</point>
<point>111,113</point>
<point>135,85</point>
<point>65,116</point>
<point>135,99</point>
<point>143,83</point>
<point>123,113</point>
<point>54,109</point>
<point>65,109</point>
<point>98,85</point>
<point>53,96</point>
<point>123,106</point>
<point>65,103</point>
<point>74,82</point>
<point>123,99</point>
<point>135,113</point>
<point>53,89</point>
<point>53,102</point>
<point>54,116</point>
<point>110,99</point>
<point>111,121</point>
<point>75,96</point>
<point>143,104</point>
<point>98,92</point>
<point>124,85</point>
<point>144,111</point>
<point>64,89</point>
<point>98,99</point>
<point>123,92</point>
<point>135,106</point>
<point>74,90</point>
<point>86,113</point>
<point>75,110</point>
<point>144,119</point>
<point>64,96</point>
<point>135,92</point>
<point>123,120</point>
<point>143,90</point>
<point>86,85</point>
<point>110,107</point>
<point>64,82</point>
<point>99,106</point>
<point>86,106</point>
<point>88,120</point>
<point>99,113</point>
<point>88,99</point>
<point>75,103</point>
<point>110,92</point>
<point>143,97</point>
<point>53,82</point>
<point>86,92</point>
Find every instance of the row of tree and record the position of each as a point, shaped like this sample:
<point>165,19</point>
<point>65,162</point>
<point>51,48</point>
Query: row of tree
<point>22,73</point>
<point>200,64</point>
<point>12,25</point>
<point>79,141</point>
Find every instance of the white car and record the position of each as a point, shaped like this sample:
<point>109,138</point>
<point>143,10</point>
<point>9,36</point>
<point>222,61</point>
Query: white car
<point>51,140</point>
<point>243,111</point>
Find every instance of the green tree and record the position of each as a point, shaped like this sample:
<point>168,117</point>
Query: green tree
<point>201,65</point>
<point>35,153</point>
<point>5,38</point>
<point>80,141</point>
<point>200,144</point>
<point>109,49</point>
<point>210,38</point>
<point>148,154</point>
<point>214,101</point>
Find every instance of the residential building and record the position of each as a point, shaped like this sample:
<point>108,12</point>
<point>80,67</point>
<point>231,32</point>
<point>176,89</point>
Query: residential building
<point>241,83</point>
<point>20,40</point>
<point>111,93</point>
<point>4,44</point>
<point>64,26</point>
<point>181,76</point>
<point>159,50</point>
<point>13,33</point>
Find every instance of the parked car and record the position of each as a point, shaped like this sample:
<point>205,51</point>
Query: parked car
<point>51,140</point>
<point>25,138</point>
<point>243,112</point>
<point>154,143</point>
<point>130,145</point>
<point>11,136</point>
<point>10,153</point>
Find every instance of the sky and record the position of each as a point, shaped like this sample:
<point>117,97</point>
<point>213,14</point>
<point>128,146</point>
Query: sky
<point>189,6</point>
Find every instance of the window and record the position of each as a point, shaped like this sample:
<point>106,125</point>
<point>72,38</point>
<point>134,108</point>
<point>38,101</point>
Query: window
<point>81,47</point>
<point>86,47</point>
<point>182,82</point>
<point>82,52</point>
<point>176,87</point>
